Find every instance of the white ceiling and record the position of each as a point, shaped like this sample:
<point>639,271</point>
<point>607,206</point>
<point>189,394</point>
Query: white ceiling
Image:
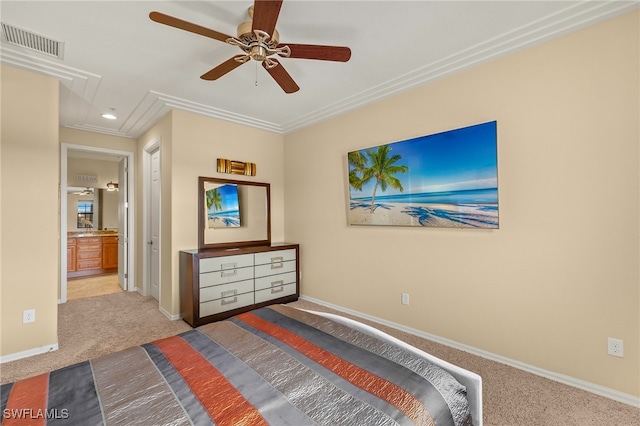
<point>116,57</point>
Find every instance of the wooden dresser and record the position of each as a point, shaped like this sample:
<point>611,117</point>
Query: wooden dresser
<point>219,283</point>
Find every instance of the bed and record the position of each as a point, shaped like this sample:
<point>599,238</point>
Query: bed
<point>276,365</point>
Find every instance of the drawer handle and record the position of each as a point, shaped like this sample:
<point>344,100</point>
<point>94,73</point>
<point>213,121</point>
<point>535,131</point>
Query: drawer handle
<point>228,293</point>
<point>279,264</point>
<point>230,302</point>
<point>277,286</point>
<point>229,270</point>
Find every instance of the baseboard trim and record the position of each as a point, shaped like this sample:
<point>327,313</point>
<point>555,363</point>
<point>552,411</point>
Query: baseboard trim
<point>29,352</point>
<point>170,316</point>
<point>561,378</point>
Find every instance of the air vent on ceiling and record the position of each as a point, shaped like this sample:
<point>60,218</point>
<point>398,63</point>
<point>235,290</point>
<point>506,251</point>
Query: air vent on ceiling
<point>33,41</point>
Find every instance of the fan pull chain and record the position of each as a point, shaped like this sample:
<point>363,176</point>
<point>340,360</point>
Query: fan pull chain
<point>256,73</point>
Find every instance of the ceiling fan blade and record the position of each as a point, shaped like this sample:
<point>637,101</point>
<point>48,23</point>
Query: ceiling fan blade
<point>318,52</point>
<point>282,77</point>
<point>187,26</point>
<point>225,67</point>
<point>265,15</point>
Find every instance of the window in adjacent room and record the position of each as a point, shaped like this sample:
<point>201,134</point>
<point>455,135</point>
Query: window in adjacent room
<point>85,214</point>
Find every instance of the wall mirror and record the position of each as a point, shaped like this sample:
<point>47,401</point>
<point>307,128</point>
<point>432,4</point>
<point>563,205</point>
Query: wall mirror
<point>91,209</point>
<point>233,213</point>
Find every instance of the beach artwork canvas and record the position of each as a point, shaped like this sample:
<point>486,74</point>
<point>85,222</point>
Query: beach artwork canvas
<point>444,180</point>
<point>223,209</point>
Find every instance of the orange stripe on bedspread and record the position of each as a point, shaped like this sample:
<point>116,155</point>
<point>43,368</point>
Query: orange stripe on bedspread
<point>408,404</point>
<point>224,403</point>
<point>27,403</point>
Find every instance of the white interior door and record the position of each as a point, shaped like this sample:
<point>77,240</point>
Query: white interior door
<point>154,213</point>
<point>123,225</point>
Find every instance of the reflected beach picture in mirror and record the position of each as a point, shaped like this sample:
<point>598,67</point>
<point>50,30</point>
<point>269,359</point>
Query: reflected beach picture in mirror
<point>223,209</point>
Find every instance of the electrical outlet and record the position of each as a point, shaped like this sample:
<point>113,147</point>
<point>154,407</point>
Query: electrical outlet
<point>615,347</point>
<point>405,299</point>
<point>28,316</point>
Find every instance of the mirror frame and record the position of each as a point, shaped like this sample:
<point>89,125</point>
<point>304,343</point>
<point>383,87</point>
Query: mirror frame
<point>202,245</point>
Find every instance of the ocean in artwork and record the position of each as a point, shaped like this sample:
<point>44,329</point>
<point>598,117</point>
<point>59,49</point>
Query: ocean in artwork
<point>230,218</point>
<point>468,196</point>
<point>476,208</point>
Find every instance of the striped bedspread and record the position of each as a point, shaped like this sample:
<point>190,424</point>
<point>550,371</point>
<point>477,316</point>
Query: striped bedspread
<point>276,365</point>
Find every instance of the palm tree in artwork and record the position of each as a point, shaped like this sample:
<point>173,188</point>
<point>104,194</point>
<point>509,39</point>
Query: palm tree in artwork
<point>357,165</point>
<point>214,200</point>
<point>383,168</point>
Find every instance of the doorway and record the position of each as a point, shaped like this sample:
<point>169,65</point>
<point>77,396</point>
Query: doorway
<point>120,223</point>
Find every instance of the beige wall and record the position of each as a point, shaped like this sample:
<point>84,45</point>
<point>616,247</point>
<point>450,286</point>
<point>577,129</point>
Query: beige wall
<point>30,221</point>
<point>562,272</point>
<point>190,146</point>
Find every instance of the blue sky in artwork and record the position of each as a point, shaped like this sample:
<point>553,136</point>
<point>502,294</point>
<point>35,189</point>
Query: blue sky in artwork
<point>455,160</point>
<point>229,195</point>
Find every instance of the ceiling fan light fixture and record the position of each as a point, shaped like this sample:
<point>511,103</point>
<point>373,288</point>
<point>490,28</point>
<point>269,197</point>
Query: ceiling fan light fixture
<point>258,53</point>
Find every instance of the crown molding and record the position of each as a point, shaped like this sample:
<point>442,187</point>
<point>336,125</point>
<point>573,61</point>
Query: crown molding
<point>570,19</point>
<point>77,88</point>
<point>155,105</point>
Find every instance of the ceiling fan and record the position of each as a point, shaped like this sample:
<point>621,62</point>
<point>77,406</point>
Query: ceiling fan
<point>259,40</point>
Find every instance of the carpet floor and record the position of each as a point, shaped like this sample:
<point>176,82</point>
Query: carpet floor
<point>95,326</point>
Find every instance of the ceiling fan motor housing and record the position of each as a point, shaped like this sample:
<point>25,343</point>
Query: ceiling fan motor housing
<point>247,36</point>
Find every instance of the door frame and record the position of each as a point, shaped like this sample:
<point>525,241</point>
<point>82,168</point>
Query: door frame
<point>64,148</point>
<point>147,151</point>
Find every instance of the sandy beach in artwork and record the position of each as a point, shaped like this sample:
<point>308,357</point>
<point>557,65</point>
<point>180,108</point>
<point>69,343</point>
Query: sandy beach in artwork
<point>430,215</point>
<point>215,223</point>
<point>222,222</point>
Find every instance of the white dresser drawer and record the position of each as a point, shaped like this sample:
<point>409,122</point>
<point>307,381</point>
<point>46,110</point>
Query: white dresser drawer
<point>228,303</point>
<point>225,276</point>
<point>278,256</point>
<point>274,268</point>
<point>275,292</point>
<point>226,262</point>
<point>225,290</point>
<point>275,280</point>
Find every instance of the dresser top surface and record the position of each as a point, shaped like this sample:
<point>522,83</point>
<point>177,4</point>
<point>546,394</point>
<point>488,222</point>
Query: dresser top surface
<point>240,250</point>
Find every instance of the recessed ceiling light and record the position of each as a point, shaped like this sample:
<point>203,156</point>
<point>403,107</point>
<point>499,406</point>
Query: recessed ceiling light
<point>110,115</point>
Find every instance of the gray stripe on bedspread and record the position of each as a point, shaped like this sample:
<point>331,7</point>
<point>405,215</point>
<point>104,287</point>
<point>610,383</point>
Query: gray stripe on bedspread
<point>132,391</point>
<point>5,390</point>
<point>181,390</point>
<point>406,378</point>
<point>72,388</point>
<point>273,406</point>
<point>309,391</point>
<point>326,377</point>
<point>452,391</point>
